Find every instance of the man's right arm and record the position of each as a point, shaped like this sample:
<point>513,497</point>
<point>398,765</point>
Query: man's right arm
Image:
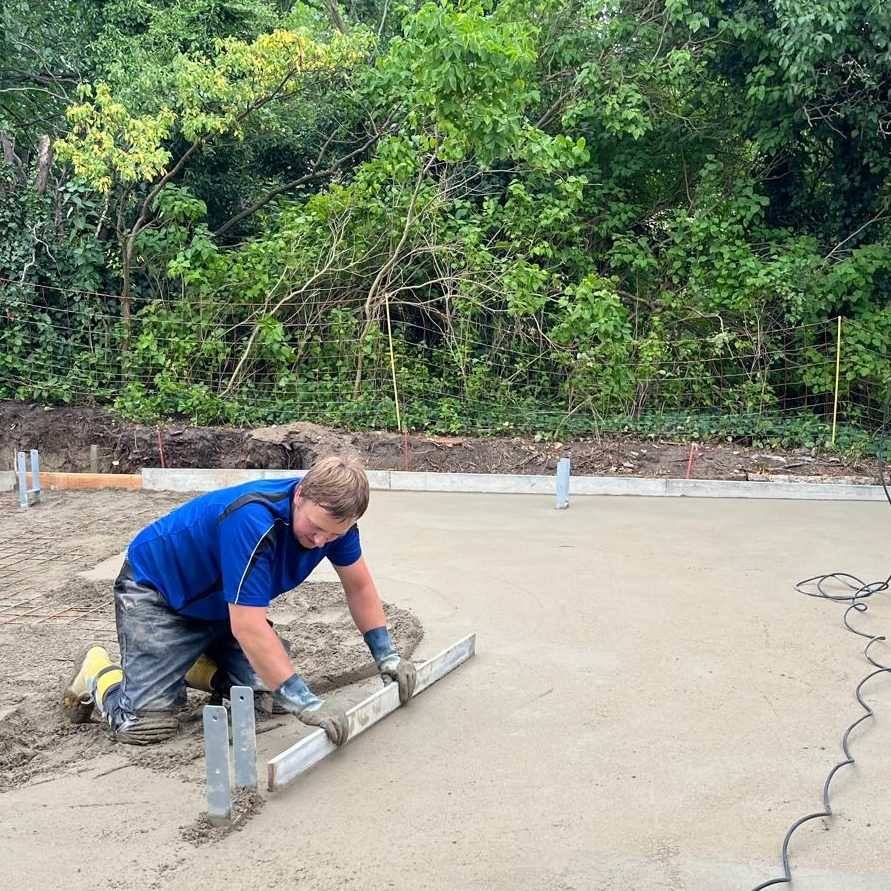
<point>261,644</point>
<point>266,654</point>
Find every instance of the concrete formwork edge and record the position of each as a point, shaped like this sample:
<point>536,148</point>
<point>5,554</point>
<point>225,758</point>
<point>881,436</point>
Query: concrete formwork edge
<point>199,480</point>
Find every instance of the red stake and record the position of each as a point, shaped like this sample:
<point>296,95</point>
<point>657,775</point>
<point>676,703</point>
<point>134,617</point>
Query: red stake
<point>694,451</point>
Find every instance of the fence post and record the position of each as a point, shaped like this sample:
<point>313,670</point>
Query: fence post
<point>837,369</point>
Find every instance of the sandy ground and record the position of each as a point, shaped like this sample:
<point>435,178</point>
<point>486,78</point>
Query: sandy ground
<point>51,583</point>
<point>650,707</point>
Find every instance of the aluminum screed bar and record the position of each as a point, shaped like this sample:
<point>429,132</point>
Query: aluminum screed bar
<point>313,748</point>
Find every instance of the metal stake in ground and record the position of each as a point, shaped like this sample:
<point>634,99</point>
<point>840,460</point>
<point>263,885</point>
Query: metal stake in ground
<point>562,484</point>
<point>23,480</point>
<point>244,737</point>
<point>24,492</point>
<point>216,761</point>
<point>35,475</point>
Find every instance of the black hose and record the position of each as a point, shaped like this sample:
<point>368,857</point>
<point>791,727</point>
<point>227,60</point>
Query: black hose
<point>854,592</point>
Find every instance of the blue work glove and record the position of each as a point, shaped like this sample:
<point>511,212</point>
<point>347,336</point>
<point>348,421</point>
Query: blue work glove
<point>390,664</point>
<point>295,697</point>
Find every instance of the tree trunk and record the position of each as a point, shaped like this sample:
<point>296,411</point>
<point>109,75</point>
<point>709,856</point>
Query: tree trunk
<point>9,155</point>
<point>44,162</point>
<point>126,260</point>
<point>334,13</point>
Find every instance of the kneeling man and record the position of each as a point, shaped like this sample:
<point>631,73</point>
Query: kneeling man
<point>191,601</point>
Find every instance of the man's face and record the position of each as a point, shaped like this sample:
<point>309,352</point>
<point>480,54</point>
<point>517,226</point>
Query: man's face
<point>313,526</point>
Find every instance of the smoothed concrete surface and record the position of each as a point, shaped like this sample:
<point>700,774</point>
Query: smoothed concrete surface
<point>106,571</point>
<point>650,707</point>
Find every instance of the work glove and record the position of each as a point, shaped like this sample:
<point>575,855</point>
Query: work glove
<point>403,672</point>
<point>392,667</point>
<point>295,697</point>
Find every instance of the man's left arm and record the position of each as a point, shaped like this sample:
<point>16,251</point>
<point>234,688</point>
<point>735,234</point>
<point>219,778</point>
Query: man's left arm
<point>368,614</point>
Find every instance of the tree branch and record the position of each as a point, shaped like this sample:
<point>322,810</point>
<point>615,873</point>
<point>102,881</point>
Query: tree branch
<point>391,262</point>
<point>329,261</point>
<point>881,215</point>
<point>294,184</point>
<point>334,14</point>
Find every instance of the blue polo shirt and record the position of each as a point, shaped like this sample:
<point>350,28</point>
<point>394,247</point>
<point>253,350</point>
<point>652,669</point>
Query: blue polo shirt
<point>234,545</point>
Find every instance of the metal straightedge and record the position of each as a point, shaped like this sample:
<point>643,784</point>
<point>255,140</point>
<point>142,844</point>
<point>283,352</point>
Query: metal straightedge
<point>26,494</point>
<point>313,748</point>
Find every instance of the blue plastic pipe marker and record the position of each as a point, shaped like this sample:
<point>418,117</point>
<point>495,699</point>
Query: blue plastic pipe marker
<point>562,484</point>
<point>216,761</point>
<point>244,737</point>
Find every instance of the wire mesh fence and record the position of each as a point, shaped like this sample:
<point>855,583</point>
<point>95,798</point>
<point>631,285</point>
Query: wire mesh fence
<point>441,367</point>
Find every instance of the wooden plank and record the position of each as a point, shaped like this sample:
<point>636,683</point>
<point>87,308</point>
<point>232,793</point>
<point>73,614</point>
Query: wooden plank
<point>59,480</point>
<point>304,754</point>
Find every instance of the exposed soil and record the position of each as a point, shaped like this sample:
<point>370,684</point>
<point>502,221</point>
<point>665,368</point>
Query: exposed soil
<point>64,435</point>
<point>42,550</point>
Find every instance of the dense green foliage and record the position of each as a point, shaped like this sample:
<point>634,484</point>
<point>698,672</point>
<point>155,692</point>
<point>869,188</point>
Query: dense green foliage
<point>551,215</point>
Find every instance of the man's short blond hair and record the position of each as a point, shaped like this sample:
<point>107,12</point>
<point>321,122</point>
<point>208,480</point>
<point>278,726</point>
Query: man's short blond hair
<point>337,485</point>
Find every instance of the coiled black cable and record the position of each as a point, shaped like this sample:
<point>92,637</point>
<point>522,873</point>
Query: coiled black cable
<point>855,592</point>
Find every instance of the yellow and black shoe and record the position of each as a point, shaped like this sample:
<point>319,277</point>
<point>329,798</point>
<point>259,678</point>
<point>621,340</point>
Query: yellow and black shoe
<point>200,675</point>
<point>94,673</point>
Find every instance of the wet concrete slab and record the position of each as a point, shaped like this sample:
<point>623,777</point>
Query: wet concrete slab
<point>650,707</point>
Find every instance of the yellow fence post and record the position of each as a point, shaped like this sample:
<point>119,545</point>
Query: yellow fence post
<point>392,363</point>
<point>837,368</point>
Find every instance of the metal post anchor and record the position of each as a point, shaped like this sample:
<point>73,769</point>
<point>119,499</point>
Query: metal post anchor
<point>25,493</point>
<point>562,484</point>
<point>244,737</point>
<point>216,761</point>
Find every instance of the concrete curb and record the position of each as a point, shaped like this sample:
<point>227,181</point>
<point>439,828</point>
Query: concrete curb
<point>196,480</point>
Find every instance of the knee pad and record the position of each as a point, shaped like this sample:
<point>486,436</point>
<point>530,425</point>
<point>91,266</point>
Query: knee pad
<point>144,730</point>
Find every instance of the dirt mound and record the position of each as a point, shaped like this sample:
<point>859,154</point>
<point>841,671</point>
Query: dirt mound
<point>64,435</point>
<point>84,594</point>
<point>245,804</point>
<point>325,646</point>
